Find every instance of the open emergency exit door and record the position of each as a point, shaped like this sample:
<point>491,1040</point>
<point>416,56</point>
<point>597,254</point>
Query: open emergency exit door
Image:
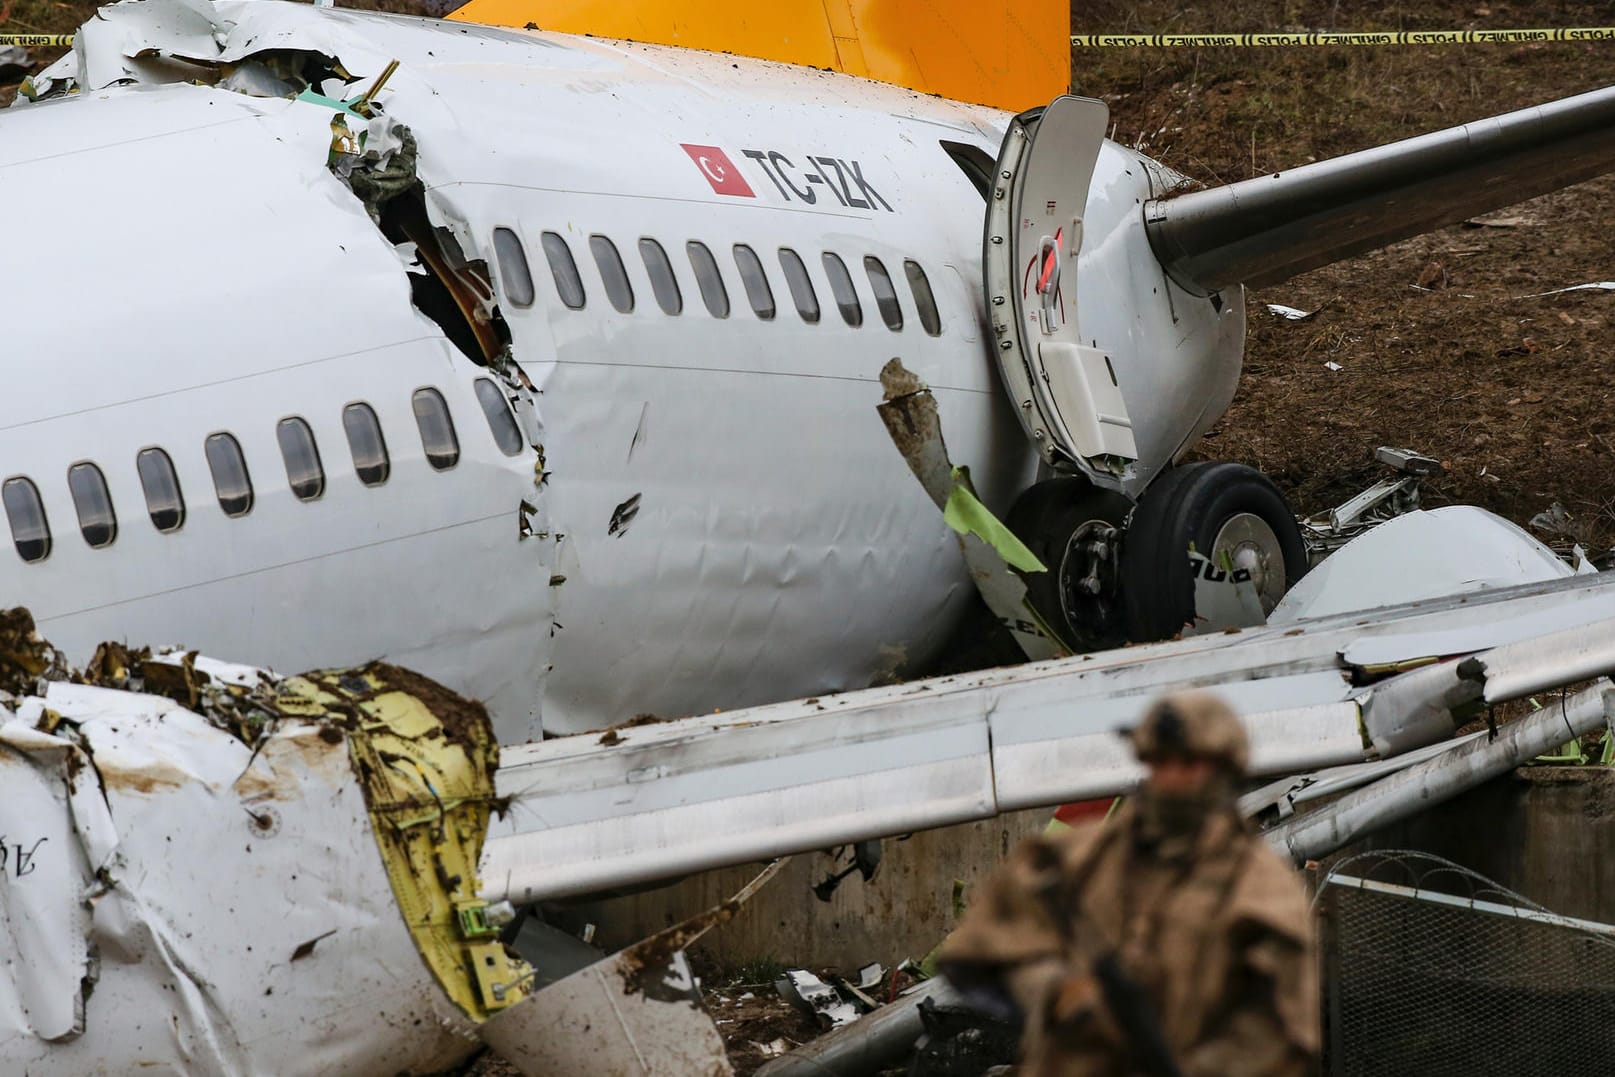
<point>1066,392</point>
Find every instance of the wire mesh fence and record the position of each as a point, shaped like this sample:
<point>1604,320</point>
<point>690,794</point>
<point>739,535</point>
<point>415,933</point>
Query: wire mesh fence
<point>1432,969</point>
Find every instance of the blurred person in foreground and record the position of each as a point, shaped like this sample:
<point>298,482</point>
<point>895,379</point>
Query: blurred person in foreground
<point>1166,940</point>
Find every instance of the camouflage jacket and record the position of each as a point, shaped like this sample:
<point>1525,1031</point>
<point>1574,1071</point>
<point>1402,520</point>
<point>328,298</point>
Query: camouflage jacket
<point>1216,932</point>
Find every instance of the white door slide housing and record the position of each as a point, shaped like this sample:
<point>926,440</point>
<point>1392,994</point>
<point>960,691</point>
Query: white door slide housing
<point>1067,393</point>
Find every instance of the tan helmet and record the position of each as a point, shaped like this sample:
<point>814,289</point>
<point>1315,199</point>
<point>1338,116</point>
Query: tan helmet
<point>1195,724</point>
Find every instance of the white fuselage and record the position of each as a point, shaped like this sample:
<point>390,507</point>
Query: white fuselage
<point>715,514</point>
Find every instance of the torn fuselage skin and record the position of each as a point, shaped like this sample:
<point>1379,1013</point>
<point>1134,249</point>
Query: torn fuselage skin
<point>177,896</point>
<point>731,586</point>
<point>349,286</point>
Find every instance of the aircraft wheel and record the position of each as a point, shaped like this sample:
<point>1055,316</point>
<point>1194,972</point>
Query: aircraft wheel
<point>1074,529</point>
<point>1228,512</point>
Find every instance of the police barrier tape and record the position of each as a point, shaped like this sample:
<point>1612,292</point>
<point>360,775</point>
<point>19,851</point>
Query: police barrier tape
<point>1138,41</point>
<point>1388,37</point>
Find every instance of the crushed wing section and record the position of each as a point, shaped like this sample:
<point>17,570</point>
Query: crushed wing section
<point>1265,230</point>
<point>590,813</point>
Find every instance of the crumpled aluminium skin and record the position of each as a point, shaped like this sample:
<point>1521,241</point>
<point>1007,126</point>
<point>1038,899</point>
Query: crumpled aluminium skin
<point>174,901</point>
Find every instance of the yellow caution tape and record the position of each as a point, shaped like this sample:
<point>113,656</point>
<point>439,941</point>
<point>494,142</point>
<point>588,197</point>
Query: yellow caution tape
<point>1389,37</point>
<point>37,41</point>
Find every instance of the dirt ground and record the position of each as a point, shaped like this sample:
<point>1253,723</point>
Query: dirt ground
<point>1438,348</point>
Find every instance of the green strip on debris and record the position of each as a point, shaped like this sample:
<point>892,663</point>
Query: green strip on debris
<point>967,515</point>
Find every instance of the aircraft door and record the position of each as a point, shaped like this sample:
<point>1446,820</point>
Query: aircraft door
<point>1066,392</point>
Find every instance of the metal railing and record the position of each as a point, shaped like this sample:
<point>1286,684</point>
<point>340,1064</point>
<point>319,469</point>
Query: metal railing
<point>1430,968</point>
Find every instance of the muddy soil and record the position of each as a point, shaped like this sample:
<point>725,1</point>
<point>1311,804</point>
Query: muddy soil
<point>1438,346</point>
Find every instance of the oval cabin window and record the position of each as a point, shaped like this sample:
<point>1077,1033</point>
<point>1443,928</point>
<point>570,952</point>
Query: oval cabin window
<point>437,429</point>
<point>93,503</point>
<point>230,479</point>
<point>164,501</point>
<point>30,531</point>
<point>366,443</point>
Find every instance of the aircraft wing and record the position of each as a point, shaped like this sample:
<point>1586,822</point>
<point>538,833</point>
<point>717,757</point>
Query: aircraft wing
<point>647,802</point>
<point>1264,230</point>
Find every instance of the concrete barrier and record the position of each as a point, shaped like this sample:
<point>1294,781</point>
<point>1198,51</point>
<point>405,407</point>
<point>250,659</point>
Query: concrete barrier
<point>904,912</point>
<point>1542,831</point>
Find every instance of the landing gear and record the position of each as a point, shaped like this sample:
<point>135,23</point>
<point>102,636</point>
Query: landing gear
<point>1075,529</point>
<point>1120,573</point>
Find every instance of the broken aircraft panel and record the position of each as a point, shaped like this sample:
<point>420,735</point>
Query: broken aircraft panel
<point>339,183</point>
<point>588,814</point>
<point>708,580</point>
<point>280,878</point>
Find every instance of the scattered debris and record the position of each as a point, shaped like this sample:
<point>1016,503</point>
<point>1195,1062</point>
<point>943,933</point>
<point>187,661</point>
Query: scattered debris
<point>657,1021</point>
<point>1595,286</point>
<point>1332,365</point>
<point>1292,314</point>
<point>1433,277</point>
<point>816,997</point>
<point>1499,222</point>
<point>1555,520</point>
<point>864,857</point>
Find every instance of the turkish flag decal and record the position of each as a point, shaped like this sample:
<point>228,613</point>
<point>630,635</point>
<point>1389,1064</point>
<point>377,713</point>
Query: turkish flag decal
<point>719,170</point>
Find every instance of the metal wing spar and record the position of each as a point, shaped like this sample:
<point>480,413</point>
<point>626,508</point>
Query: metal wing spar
<point>1264,230</point>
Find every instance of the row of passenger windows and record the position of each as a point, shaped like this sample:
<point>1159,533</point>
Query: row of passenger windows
<point>518,280</point>
<point>232,482</point>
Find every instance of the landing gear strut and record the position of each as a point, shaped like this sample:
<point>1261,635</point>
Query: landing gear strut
<point>1120,573</point>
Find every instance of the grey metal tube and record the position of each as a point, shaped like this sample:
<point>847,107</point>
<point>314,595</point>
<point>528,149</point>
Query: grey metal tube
<point>1411,791</point>
<point>1265,230</point>
<point>866,1046</point>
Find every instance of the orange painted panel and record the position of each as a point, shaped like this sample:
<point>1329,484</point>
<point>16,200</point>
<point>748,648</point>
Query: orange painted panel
<point>1010,53</point>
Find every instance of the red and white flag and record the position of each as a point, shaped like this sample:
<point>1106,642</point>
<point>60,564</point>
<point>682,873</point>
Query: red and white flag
<point>719,170</point>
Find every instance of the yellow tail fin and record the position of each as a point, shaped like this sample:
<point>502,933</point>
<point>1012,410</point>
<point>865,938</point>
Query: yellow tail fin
<point>1010,53</point>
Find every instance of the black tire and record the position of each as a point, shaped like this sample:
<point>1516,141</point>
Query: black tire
<point>1189,505</point>
<point>1044,517</point>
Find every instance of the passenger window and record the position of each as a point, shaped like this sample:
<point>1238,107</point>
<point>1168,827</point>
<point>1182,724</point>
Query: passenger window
<point>437,429</point>
<point>93,502</point>
<point>713,293</point>
<point>924,300</point>
<point>758,293</point>
<point>841,287</point>
<point>302,457</point>
<point>26,513</point>
<point>662,281</point>
<point>796,276</point>
<point>164,501</point>
<point>230,478</point>
<point>885,294</point>
<point>506,434</point>
<point>568,285</point>
<point>366,443</point>
<point>612,273</point>
<point>514,273</point>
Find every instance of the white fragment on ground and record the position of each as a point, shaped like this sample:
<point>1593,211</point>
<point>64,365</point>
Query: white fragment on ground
<point>819,998</point>
<point>1331,365</point>
<point>1595,286</point>
<point>1290,313</point>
